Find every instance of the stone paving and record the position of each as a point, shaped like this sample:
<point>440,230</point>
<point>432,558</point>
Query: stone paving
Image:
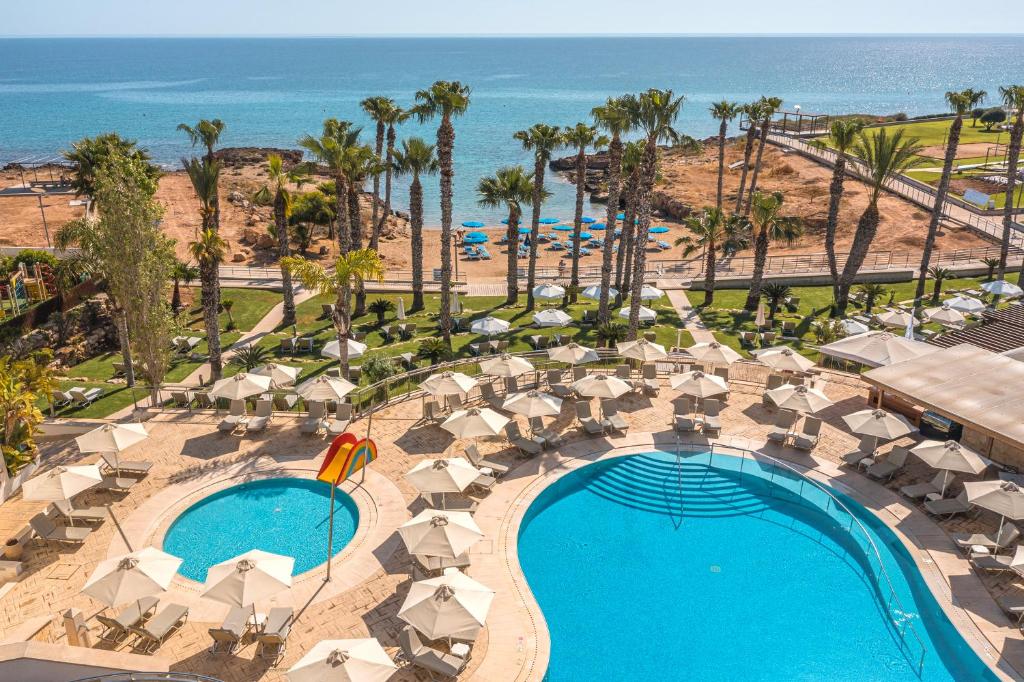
<point>186,447</point>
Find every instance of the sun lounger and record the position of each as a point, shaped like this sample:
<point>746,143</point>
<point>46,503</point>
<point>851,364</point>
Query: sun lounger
<point>711,421</point>
<point>45,528</point>
<point>342,418</point>
<point>991,541</point>
<point>473,455</point>
<point>773,382</point>
<point>230,633</point>
<point>586,418</point>
<point>949,507</point>
<point>315,422</point>
<point>264,411</point>
<point>783,424</point>
<point>529,446</point>
<point>484,481</point>
<point>625,373</point>
<point>430,659</point>
<point>204,401</point>
<point>865,449</point>
<point>488,393</point>
<point>537,429</point>
<point>235,419</point>
<point>809,434</point>
<point>119,484</point>
<point>181,398</point>
<point>432,412</point>
<point>1013,606</point>
<point>452,502</point>
<point>305,344</point>
<point>161,626</point>
<point>890,466</point>
<point>555,385</point>
<point>649,379</point>
<point>433,565</point>
<point>288,346</point>
<point>116,630</point>
<point>122,466</point>
<point>578,373</point>
<point>272,641</point>
<point>285,402</point>
<point>993,563</point>
<point>610,410</point>
<point>326,310</point>
<point>60,398</point>
<point>87,514</point>
<point>919,491</point>
<point>85,396</point>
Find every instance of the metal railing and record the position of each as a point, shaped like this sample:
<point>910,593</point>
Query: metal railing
<point>901,620</point>
<point>149,677</point>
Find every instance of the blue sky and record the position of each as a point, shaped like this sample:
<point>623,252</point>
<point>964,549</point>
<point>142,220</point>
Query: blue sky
<point>449,17</point>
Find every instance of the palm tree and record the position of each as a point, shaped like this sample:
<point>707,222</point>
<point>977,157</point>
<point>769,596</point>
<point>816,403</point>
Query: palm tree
<point>206,133</point>
<point>395,116</point>
<point>768,107</point>
<point>360,163</point>
<point>939,275</point>
<point>884,155</point>
<point>446,99</point>
<point>205,178</point>
<point>542,140</point>
<point>380,308</point>
<point>351,270</point>
<point>871,291</point>
<point>654,112</point>
<point>183,273</point>
<point>961,104</point>
<point>90,153</point>
<point>841,137</point>
<point>331,149</point>
<point>753,113</point>
<point>209,251</point>
<point>276,191</point>
<point>774,294</point>
<point>723,111</point>
<point>768,226</point>
<point>510,187</point>
<point>381,110</point>
<point>612,117</point>
<point>250,357</point>
<point>416,158</point>
<point>710,230</point>
<point>581,136</point>
<point>632,154</point>
<point>1013,99</point>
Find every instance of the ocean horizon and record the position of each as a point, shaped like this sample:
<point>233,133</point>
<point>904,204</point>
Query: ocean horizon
<point>270,91</point>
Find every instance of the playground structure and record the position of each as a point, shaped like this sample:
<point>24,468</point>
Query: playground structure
<point>25,287</point>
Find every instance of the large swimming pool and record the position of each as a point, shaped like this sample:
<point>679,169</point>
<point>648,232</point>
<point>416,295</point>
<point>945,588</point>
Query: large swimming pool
<point>645,570</point>
<point>286,516</point>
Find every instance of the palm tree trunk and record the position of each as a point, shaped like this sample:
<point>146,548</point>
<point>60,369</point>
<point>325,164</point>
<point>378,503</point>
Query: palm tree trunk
<point>621,256</point>
<point>125,343</point>
<point>512,276</point>
<point>538,190</point>
<point>356,220</point>
<point>577,223</point>
<point>374,211</point>
<point>445,145</point>
<point>709,274</point>
<point>835,196</point>
<point>211,309</point>
<point>387,187</point>
<point>287,288</point>
<point>614,188</point>
<point>416,227</point>
<point>940,201</point>
<point>867,226</point>
<point>341,211</point>
<point>747,150</point>
<point>1012,159</point>
<point>628,238</point>
<point>648,168</point>
<point>176,297</point>
<point>721,160</point>
<point>342,320</point>
<point>765,127</point>
<point>756,279</point>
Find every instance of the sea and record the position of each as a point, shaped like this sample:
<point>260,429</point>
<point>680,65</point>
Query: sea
<point>271,91</point>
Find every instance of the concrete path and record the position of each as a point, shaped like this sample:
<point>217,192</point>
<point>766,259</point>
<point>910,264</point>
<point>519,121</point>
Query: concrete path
<point>691,320</point>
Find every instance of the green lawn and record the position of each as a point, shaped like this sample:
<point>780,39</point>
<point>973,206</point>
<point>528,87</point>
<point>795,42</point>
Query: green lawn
<point>250,306</point>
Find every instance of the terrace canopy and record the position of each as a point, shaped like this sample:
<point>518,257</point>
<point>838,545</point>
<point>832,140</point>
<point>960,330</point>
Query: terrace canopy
<point>877,349</point>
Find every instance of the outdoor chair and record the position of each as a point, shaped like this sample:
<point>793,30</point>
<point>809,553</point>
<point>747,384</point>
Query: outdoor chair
<point>182,398</point>
<point>84,396</point>
<point>115,630</point>
<point>865,450</point>
<point>994,542</point>
<point>235,419</point>
<point>455,402</point>
<point>1012,606</point>
<point>287,345</point>
<point>993,563</point>
<point>272,641</point>
<point>789,329</point>
<point>537,428</point>
<point>529,446</point>
<point>424,566</point>
<point>117,484</point>
<point>610,410</point>
<point>586,418</point>
<point>783,424</point>
<point>949,507</point>
<point>712,420</point>
<point>119,466</point>
<point>285,402</point>
<point>229,635</point>
<point>60,398</point>
<point>46,529</point>
<point>747,339</point>
<point>342,418</point>
<point>264,411</point>
<point>326,310</point>
<point>488,393</point>
<point>625,373</point>
<point>430,659</point>
<point>306,344</point>
<point>450,502</point>
<point>87,514</point>
<point>773,382</point>
<point>555,385</point>
<point>919,491</point>
<point>473,455</point>
<point>204,401</point>
<point>578,373</point>
<point>722,372</point>
<point>511,385</point>
<point>649,379</point>
<point>892,464</point>
<point>809,434</point>
<point>315,422</point>
<point>682,421</point>
<point>155,632</point>
<point>432,412</point>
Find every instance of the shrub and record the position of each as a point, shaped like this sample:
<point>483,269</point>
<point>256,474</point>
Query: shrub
<point>827,331</point>
<point>433,349</point>
<point>380,308</point>
<point>250,357</point>
<point>992,117</point>
<point>378,367</point>
<point>32,256</point>
<point>611,332</point>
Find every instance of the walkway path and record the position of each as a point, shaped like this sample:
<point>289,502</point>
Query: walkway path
<point>691,320</point>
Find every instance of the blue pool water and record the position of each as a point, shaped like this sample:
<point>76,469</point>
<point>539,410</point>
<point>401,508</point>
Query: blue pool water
<point>646,573</point>
<point>286,516</point>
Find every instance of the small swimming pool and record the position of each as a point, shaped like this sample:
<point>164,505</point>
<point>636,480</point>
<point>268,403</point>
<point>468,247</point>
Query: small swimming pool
<point>286,516</point>
<point>645,570</point>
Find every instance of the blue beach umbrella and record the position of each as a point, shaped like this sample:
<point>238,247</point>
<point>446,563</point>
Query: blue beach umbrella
<point>660,229</point>
<point>549,221</point>
<point>481,239</point>
<point>562,228</point>
<point>621,216</point>
<point>472,223</point>
<point>586,220</point>
<point>586,235</point>
<point>504,221</point>
<point>598,226</point>
<point>524,230</point>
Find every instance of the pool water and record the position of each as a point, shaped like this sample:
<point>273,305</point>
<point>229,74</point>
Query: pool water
<point>649,571</point>
<point>286,516</point>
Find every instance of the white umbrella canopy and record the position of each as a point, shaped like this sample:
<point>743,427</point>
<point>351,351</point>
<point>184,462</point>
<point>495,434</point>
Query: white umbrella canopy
<point>851,327</point>
<point>548,292</point>
<point>246,578</point>
<point>799,398</point>
<point>573,353</point>
<point>533,404</point>
<point>489,326</point>
<point>112,438</point>
<point>896,318</point>
<point>400,314</point>
<point>453,605</point>
<point>593,292</point>
<point>713,353</point>
<point>506,365</point>
<point>965,304</point>
<point>641,349</point>
<point>61,483</point>
<point>332,349</point>
<point>1001,287</point>
<point>451,475</point>
<point>698,384</point>
<point>950,455</point>
<point>785,360</point>
<point>474,423</point>
<point>600,386</point>
<point>132,576</point>
<point>344,660</point>
<point>878,423</point>
<point>649,293</point>
<point>1005,498</point>
<point>552,317</point>
<point>944,315</point>
<point>240,386</point>
<point>448,383</point>
<point>877,348</point>
<point>324,387</point>
<point>440,533</point>
<point>280,375</point>
<point>646,314</point>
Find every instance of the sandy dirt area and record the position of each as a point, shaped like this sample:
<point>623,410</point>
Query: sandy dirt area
<point>967,150</point>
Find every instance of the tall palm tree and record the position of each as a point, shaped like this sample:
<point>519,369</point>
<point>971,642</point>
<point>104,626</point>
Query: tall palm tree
<point>183,273</point>
<point>884,155</point>
<point>961,103</point>
<point>209,251</point>
<point>379,109</point>
<point>331,149</point>
<point>542,140</point>
<point>447,100</point>
<point>1013,99</point>
<point>613,117</point>
<point>205,178</point>
<point>654,112</point>
<point>768,226</point>
<point>510,187</point>
<point>841,137</point>
<point>768,107</point>
<point>723,111</point>
<point>360,164</point>
<point>277,192</point>
<point>632,154</point>
<point>710,230</point>
<point>395,116</point>
<point>350,271</point>
<point>581,136</point>
<point>206,133</point>
<point>416,158</point>
<point>753,113</point>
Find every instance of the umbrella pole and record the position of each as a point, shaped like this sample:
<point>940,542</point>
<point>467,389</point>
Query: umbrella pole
<point>330,537</point>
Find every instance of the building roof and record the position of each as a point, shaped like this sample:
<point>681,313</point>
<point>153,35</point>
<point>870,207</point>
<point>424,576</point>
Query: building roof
<point>965,383</point>
<point>1000,330</point>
